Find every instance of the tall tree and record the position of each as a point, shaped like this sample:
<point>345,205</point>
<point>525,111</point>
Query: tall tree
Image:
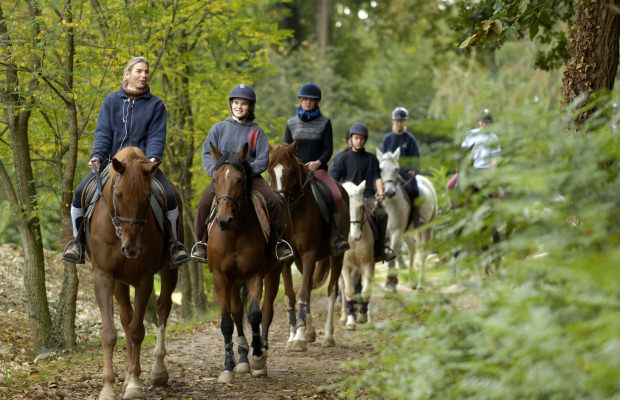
<point>591,51</point>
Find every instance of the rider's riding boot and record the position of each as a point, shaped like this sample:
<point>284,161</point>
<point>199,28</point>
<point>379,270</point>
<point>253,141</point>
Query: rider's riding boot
<point>178,252</point>
<point>74,250</point>
<point>284,250</point>
<point>337,241</point>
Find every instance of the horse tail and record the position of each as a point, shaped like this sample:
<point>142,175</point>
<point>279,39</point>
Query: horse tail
<point>321,274</point>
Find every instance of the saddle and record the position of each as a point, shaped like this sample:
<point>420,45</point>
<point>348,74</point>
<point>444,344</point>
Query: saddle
<point>327,194</point>
<point>91,194</point>
<point>262,212</point>
<point>370,217</point>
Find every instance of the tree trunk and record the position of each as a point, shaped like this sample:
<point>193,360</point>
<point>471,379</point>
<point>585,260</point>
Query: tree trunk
<point>17,107</point>
<point>65,317</point>
<point>322,23</point>
<point>593,49</point>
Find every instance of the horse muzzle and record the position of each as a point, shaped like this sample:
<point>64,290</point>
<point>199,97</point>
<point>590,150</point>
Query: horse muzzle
<point>390,193</point>
<point>225,224</point>
<point>131,251</point>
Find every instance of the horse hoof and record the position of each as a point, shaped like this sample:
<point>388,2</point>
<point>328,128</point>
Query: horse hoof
<point>328,342</point>
<point>243,368</point>
<point>159,379</point>
<point>299,345</point>
<point>361,318</point>
<point>133,393</point>
<point>258,363</point>
<point>226,377</point>
<point>259,373</point>
<point>350,326</point>
<point>107,397</point>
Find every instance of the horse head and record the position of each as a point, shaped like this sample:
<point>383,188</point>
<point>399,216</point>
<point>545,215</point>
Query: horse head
<point>356,208</point>
<point>231,180</point>
<point>131,177</point>
<point>286,172</point>
<point>388,163</point>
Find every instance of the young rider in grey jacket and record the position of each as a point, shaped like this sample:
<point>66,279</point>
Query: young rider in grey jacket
<point>230,135</point>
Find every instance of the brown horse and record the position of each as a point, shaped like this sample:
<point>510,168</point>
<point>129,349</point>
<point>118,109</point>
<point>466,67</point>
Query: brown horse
<point>126,247</point>
<point>310,233</point>
<point>238,253</point>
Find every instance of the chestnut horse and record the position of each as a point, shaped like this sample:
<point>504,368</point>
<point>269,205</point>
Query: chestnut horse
<point>238,253</point>
<point>126,247</point>
<point>310,234</point>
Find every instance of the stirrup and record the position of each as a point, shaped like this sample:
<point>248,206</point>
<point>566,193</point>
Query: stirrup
<point>194,254</point>
<point>388,253</point>
<point>173,247</point>
<point>80,248</point>
<point>290,248</point>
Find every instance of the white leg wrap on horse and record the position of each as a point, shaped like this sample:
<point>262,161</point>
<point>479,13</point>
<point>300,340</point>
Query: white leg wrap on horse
<point>75,214</point>
<point>159,373</point>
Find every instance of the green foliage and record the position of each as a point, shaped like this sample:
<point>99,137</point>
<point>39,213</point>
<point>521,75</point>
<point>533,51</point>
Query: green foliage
<point>544,324</point>
<point>490,23</point>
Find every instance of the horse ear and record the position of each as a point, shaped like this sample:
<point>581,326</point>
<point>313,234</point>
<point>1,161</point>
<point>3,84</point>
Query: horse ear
<point>362,185</point>
<point>118,166</point>
<point>243,153</point>
<point>379,154</point>
<point>293,146</point>
<point>215,153</point>
<point>397,153</point>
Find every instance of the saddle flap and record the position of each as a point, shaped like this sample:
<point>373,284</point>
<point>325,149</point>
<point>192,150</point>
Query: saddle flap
<point>370,217</point>
<point>262,212</point>
<point>318,190</point>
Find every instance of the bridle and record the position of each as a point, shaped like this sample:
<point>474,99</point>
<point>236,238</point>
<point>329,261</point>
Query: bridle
<point>292,198</point>
<point>362,219</point>
<point>115,217</point>
<point>235,200</point>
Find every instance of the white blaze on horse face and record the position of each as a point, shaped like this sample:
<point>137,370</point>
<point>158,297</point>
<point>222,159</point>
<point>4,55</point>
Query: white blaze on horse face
<point>226,177</point>
<point>278,171</point>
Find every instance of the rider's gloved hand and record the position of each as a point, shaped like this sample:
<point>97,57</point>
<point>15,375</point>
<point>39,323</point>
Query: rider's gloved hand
<point>94,163</point>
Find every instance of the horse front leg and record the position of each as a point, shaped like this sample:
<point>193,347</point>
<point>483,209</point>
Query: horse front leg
<point>121,292</point>
<point>236,308</point>
<point>348,294</point>
<point>300,342</point>
<point>159,372</point>
<point>290,302</point>
<point>332,289</point>
<point>223,289</point>
<point>104,287</point>
<point>368,270</point>
<point>258,359</point>
<point>136,336</point>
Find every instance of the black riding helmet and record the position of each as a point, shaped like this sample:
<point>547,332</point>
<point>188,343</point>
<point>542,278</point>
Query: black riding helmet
<point>310,91</point>
<point>359,129</point>
<point>244,91</point>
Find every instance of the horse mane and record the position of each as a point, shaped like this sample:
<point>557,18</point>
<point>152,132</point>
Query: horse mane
<point>133,182</point>
<point>279,155</point>
<point>231,158</point>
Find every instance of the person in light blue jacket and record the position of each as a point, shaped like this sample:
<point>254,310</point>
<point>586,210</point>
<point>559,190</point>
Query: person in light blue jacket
<point>131,116</point>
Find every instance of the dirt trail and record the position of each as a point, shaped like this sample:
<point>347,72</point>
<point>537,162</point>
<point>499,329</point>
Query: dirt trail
<point>195,360</point>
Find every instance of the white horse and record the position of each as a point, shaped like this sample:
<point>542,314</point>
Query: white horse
<point>361,256</point>
<point>399,210</point>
